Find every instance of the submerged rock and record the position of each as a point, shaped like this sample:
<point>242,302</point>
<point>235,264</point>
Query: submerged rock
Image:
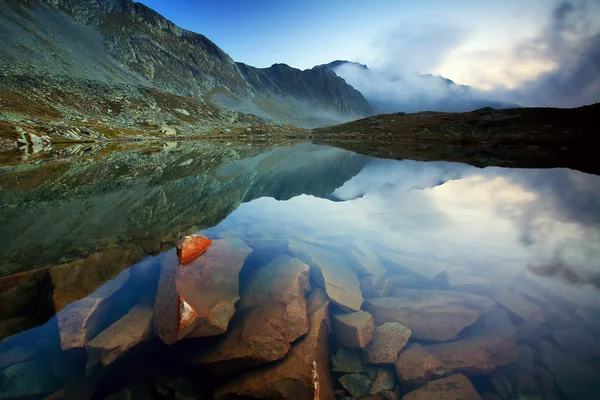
<point>388,340</point>
<point>430,314</point>
<point>455,387</point>
<point>576,380</point>
<point>365,261</point>
<point>191,247</point>
<point>119,338</point>
<point>384,381</point>
<point>354,329</point>
<point>488,344</point>
<point>517,304</point>
<point>350,361</point>
<point>292,377</point>
<point>415,366</point>
<point>273,316</point>
<point>332,273</point>
<point>356,384</point>
<point>372,286</point>
<point>578,343</point>
<point>29,379</point>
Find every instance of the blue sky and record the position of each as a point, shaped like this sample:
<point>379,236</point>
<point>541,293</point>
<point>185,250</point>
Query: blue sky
<point>479,43</point>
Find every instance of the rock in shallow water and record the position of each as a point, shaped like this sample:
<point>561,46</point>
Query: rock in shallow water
<point>356,384</point>
<point>354,329</point>
<point>455,387</point>
<point>273,315</point>
<point>520,306</point>
<point>415,366</point>
<point>331,272</point>
<point>388,340</point>
<point>578,343</point>
<point>433,315</point>
<point>292,377</point>
<point>191,247</point>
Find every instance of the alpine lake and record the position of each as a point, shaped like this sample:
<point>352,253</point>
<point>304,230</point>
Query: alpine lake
<point>212,270</point>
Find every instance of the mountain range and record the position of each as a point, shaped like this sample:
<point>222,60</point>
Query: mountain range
<point>110,60</point>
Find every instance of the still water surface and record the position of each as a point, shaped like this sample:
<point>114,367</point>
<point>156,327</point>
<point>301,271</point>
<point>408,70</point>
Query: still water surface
<point>388,279</point>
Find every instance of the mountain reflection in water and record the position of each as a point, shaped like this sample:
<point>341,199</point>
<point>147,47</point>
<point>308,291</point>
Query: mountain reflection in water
<point>491,274</point>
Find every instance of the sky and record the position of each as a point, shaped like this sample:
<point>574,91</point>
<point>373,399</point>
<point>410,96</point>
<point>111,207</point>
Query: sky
<point>505,47</point>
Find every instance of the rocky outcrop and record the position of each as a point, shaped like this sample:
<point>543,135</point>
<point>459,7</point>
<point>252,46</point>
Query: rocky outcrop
<point>354,329</point>
<point>415,366</point>
<point>483,347</point>
<point>455,387</point>
<point>273,315</point>
<point>191,247</point>
<point>388,340</point>
<point>119,338</point>
<point>329,271</point>
<point>292,377</point>
<point>429,314</point>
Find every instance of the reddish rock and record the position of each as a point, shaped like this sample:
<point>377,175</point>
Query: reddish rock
<point>191,247</point>
<point>488,344</point>
<point>433,315</point>
<point>119,338</point>
<point>273,316</point>
<point>354,329</point>
<point>455,387</point>
<point>388,340</point>
<point>293,378</point>
<point>517,304</point>
<point>415,366</point>
<point>384,381</point>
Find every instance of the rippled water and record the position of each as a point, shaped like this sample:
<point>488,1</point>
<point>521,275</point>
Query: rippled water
<point>389,279</point>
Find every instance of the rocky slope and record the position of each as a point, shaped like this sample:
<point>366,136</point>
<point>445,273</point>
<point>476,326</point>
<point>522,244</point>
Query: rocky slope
<point>124,44</point>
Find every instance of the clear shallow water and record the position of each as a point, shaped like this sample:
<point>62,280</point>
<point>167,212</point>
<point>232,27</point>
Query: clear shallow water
<point>494,271</point>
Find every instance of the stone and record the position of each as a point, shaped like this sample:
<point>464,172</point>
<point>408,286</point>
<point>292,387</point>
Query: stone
<point>384,381</point>
<point>455,387</point>
<point>273,315</point>
<point>415,366</point>
<point>532,333</point>
<point>400,263</point>
<point>15,355</point>
<point>29,379</point>
<point>210,285</point>
<point>520,306</point>
<point>372,286</point>
<point>461,280</point>
<point>578,343</point>
<point>12,326</point>
<point>191,248</point>
<point>119,338</point>
<point>294,376</point>
<point>501,384</point>
<point>522,372</point>
<point>547,384</point>
<point>432,315</point>
<point>25,293</point>
<point>356,384</point>
<point>365,261</point>
<point>331,272</point>
<point>350,361</point>
<point>81,321</point>
<point>485,346</point>
<point>78,279</point>
<point>354,329</point>
<point>576,380</point>
<point>388,340</point>
<point>400,282</point>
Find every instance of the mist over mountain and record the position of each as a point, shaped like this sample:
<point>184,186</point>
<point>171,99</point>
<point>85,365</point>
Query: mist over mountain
<point>402,91</point>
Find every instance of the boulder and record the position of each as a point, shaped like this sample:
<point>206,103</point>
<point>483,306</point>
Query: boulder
<point>576,380</point>
<point>578,343</point>
<point>81,321</point>
<point>517,304</point>
<point>455,387</point>
<point>78,279</point>
<point>191,247</point>
<point>432,315</point>
<point>273,315</point>
<point>384,381</point>
<point>29,379</point>
<point>372,286</point>
<point>488,344</point>
<point>122,336</point>
<point>388,340</point>
<point>199,299</point>
<point>332,273</point>
<point>295,376</point>
<point>350,361</point>
<point>365,261</point>
<point>356,384</point>
<point>415,366</point>
<point>354,329</point>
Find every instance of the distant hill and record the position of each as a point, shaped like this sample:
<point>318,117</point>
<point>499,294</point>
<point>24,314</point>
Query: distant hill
<point>390,91</point>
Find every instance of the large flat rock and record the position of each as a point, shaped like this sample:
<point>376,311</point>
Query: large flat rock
<point>433,315</point>
<point>455,387</point>
<point>519,305</point>
<point>333,273</point>
<point>273,315</point>
<point>483,347</point>
<point>294,376</point>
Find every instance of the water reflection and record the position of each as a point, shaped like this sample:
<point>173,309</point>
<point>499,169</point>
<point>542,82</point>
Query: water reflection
<point>402,279</point>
